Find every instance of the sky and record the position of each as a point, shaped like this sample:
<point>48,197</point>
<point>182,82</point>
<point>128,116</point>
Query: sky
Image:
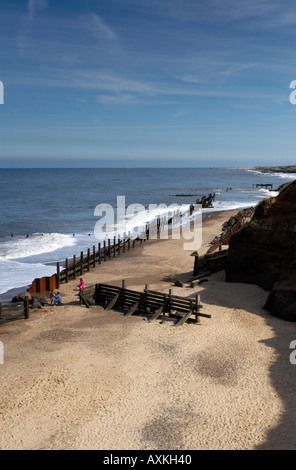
<point>147,83</point>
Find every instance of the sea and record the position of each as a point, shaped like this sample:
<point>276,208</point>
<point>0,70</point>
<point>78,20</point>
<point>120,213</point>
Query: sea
<point>48,215</point>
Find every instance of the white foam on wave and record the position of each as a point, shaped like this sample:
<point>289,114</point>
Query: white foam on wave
<point>267,193</point>
<point>135,223</point>
<point>249,170</point>
<point>228,206</point>
<point>14,274</point>
<point>21,247</point>
<point>291,176</point>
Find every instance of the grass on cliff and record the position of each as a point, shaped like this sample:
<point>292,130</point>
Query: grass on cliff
<point>284,186</point>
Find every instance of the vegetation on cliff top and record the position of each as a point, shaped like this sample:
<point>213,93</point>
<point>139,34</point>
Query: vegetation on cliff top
<point>276,169</point>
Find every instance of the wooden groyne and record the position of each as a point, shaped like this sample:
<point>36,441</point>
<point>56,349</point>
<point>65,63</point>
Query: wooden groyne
<point>76,267</point>
<point>18,311</point>
<point>151,304</point>
<point>263,185</point>
<point>98,254</point>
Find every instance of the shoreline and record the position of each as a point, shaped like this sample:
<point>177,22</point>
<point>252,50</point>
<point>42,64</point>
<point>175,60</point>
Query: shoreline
<point>7,296</point>
<point>86,379</point>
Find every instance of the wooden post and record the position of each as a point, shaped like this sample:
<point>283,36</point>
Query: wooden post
<point>129,240</point>
<point>146,295</point>
<point>67,270</point>
<point>118,245</point>
<point>170,300</point>
<point>88,258</point>
<point>81,261</point>
<point>114,246</point>
<point>124,284</point>
<point>104,250</point>
<point>195,269</point>
<point>99,247</point>
<point>197,318</point>
<point>94,256</point>
<point>74,266</point>
<point>58,275</point>
<point>26,307</point>
<point>123,248</point>
<point>109,248</point>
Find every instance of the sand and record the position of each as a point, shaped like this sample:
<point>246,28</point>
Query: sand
<point>78,378</point>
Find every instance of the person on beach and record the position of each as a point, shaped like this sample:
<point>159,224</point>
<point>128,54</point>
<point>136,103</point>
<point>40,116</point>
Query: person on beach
<point>57,299</point>
<point>81,285</point>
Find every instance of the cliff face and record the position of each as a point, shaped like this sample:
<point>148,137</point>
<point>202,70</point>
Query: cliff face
<point>264,252</point>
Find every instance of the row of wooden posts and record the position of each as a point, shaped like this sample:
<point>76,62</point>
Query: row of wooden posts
<point>103,252</point>
<point>99,254</point>
<point>263,185</point>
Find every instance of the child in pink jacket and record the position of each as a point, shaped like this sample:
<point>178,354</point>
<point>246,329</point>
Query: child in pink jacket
<point>81,285</point>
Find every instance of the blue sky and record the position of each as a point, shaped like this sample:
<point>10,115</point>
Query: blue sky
<point>147,83</point>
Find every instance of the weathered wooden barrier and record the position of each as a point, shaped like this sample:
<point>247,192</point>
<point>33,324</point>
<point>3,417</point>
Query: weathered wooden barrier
<point>97,255</point>
<point>10,312</point>
<point>148,303</point>
<point>76,267</point>
<point>263,185</point>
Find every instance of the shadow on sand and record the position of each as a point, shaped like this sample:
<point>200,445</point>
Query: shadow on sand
<point>282,372</point>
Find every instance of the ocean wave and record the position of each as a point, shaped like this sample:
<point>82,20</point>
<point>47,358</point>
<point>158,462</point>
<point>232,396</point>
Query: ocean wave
<point>230,205</point>
<point>254,171</point>
<point>270,174</point>
<point>14,274</point>
<point>291,176</point>
<point>268,193</point>
<point>36,244</point>
<point>135,223</point>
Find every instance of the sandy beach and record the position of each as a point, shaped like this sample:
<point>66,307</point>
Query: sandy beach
<point>78,378</point>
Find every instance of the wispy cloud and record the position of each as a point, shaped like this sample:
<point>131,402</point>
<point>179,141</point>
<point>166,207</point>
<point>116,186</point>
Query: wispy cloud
<point>115,89</point>
<point>191,10</point>
<point>36,5</point>
<point>96,26</point>
<point>24,41</point>
<point>235,69</point>
<point>181,113</point>
<point>190,79</point>
<point>115,99</point>
<point>251,14</point>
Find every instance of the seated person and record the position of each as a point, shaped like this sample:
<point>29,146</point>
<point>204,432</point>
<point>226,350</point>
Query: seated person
<point>57,299</point>
<point>81,285</point>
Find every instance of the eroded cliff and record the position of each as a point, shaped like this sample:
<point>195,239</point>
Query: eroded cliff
<point>264,252</point>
